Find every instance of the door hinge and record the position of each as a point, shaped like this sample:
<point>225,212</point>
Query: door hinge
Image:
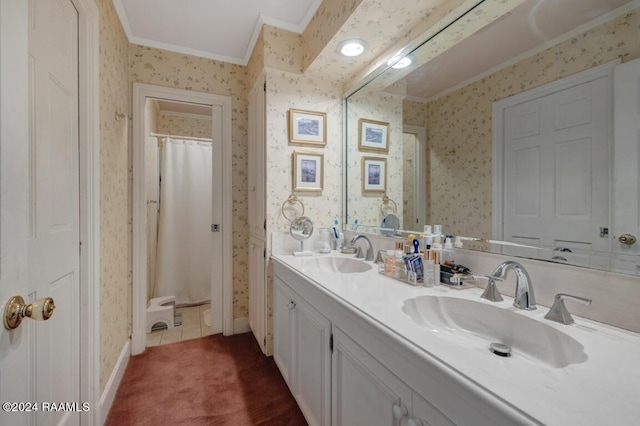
<point>265,225</point>
<point>215,227</point>
<point>265,86</point>
<point>264,342</point>
<point>331,343</point>
<point>264,253</point>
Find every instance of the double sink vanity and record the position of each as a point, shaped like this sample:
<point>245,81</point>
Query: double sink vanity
<point>360,348</point>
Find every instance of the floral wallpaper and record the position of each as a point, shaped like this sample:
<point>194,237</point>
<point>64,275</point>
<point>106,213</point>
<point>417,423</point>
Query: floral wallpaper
<point>459,124</point>
<point>183,125</point>
<point>170,69</point>
<point>115,251</point>
<point>384,107</point>
<point>283,49</point>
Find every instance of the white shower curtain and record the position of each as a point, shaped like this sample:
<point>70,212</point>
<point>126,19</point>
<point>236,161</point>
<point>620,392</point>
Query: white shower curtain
<point>184,237</point>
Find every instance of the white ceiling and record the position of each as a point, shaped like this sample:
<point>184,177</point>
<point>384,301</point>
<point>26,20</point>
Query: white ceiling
<point>533,25</point>
<point>216,29</point>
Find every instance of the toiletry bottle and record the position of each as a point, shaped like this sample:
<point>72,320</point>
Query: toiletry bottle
<point>437,236</point>
<point>447,253</point>
<point>458,242</point>
<point>429,273</point>
<point>400,271</point>
<point>390,263</point>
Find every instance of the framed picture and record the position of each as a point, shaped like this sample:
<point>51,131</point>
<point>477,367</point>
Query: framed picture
<point>308,172</point>
<point>307,127</point>
<point>373,136</point>
<point>374,175</point>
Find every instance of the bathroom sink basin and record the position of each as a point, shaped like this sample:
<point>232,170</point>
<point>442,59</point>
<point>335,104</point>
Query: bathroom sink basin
<point>476,324</point>
<point>343,265</point>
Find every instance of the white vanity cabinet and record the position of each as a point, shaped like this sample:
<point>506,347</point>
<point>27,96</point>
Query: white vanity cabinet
<point>366,393</point>
<point>332,377</point>
<point>302,352</point>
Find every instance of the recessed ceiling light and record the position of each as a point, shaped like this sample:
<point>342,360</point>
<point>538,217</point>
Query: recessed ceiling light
<point>398,63</point>
<point>352,47</point>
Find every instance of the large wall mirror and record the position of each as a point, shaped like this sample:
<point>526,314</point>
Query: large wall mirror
<point>517,128</point>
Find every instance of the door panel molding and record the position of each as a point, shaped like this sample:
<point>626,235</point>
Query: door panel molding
<point>498,142</point>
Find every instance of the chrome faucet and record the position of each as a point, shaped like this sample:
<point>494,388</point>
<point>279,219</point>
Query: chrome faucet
<point>524,297</point>
<point>355,239</point>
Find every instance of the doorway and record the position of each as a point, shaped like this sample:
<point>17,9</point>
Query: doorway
<point>157,279</point>
<point>179,160</point>
<point>414,184</point>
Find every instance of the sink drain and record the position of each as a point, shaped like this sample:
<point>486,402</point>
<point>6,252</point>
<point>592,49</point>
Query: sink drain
<point>500,349</point>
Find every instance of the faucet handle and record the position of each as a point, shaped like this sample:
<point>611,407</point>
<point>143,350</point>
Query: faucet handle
<point>559,312</point>
<point>491,292</point>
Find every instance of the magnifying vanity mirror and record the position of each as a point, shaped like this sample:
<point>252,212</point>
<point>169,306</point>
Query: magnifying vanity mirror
<point>301,229</point>
<point>519,127</point>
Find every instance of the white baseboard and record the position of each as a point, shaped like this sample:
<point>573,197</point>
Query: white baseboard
<point>109,393</point>
<point>241,325</point>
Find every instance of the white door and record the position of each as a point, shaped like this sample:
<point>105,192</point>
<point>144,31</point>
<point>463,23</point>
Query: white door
<point>15,371</point>
<point>627,165</point>
<point>54,243</point>
<point>257,215</point>
<point>556,163</point>
<point>39,239</point>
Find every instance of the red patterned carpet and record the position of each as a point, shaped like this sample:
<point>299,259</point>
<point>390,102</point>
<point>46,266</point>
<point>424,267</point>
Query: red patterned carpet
<point>212,380</point>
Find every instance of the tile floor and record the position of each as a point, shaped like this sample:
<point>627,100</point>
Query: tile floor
<point>193,326</point>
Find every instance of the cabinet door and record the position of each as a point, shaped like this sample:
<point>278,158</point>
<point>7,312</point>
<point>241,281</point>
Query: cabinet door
<point>312,363</point>
<point>257,308</point>
<point>364,391</point>
<point>425,414</point>
<point>283,306</point>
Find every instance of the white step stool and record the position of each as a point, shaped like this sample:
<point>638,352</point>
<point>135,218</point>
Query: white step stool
<point>161,309</point>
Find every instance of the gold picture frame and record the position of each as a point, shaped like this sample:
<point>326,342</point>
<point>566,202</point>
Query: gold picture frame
<point>307,171</point>
<point>373,136</point>
<point>307,127</point>
<point>374,175</point>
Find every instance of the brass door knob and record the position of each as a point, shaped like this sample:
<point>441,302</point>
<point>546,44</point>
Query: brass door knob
<point>15,310</point>
<point>627,239</point>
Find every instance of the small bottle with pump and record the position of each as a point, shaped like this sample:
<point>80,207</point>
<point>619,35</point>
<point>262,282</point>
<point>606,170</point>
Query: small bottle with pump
<point>437,241</point>
<point>447,252</point>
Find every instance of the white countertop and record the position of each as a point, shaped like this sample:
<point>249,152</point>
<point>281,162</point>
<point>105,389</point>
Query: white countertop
<point>603,390</point>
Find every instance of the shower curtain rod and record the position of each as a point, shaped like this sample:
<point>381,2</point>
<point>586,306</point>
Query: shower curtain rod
<point>188,138</point>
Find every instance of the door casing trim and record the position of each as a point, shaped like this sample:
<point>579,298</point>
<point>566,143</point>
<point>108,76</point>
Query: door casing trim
<point>141,92</point>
